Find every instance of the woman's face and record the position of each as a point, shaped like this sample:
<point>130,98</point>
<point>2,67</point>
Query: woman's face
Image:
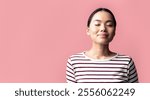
<point>101,29</point>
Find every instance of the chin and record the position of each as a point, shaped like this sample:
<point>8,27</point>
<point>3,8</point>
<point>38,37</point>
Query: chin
<point>103,42</point>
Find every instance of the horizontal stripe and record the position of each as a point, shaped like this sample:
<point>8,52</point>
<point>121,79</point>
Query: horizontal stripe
<point>118,69</point>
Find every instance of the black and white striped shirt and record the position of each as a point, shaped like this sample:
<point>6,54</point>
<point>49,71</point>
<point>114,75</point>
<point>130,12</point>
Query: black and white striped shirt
<point>118,69</point>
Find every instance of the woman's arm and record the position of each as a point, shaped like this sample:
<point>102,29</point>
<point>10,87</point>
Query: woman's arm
<point>133,76</point>
<point>70,76</point>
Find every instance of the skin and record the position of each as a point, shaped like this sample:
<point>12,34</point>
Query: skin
<point>101,31</point>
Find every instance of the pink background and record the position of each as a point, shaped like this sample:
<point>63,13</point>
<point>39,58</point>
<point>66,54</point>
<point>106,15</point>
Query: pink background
<point>37,36</point>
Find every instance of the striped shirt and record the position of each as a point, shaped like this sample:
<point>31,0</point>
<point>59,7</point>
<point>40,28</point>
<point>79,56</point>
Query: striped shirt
<point>118,69</point>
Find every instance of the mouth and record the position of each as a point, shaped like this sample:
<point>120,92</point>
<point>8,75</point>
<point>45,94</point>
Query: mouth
<point>103,35</point>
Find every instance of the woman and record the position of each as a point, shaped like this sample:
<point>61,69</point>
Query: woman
<point>100,64</point>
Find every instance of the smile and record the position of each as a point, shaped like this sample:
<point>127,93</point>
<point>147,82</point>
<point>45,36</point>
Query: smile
<point>102,35</point>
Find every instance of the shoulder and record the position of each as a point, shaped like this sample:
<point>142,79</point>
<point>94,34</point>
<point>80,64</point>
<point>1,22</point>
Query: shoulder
<point>76,56</point>
<point>125,58</point>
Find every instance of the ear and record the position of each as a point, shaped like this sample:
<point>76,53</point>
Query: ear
<point>87,31</point>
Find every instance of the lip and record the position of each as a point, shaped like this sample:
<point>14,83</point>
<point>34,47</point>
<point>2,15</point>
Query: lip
<point>103,35</point>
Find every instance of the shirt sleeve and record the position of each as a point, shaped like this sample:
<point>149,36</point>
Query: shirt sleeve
<point>70,76</point>
<point>133,76</point>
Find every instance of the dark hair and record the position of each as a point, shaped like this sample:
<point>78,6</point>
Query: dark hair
<point>101,9</point>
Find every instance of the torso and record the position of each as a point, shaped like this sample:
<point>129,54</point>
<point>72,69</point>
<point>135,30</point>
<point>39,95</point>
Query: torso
<point>111,70</point>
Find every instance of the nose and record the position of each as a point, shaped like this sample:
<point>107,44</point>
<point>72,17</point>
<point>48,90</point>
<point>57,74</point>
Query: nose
<point>102,28</point>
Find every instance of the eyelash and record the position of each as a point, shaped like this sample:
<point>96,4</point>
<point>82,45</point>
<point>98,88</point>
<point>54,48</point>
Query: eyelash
<point>97,24</point>
<point>110,25</point>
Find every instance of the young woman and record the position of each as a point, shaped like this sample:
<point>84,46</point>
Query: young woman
<point>99,64</point>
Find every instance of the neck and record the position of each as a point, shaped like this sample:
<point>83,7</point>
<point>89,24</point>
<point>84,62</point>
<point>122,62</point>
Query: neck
<point>99,51</point>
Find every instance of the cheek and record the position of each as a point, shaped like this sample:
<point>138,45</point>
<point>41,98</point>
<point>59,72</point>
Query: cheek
<point>93,30</point>
<point>112,34</point>
<point>111,30</point>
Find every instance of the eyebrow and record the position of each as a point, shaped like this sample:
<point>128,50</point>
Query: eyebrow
<point>106,21</point>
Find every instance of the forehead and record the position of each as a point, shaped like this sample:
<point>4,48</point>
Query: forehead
<point>102,15</point>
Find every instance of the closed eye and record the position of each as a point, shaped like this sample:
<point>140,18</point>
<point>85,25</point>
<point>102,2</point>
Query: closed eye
<point>110,25</point>
<point>97,24</point>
